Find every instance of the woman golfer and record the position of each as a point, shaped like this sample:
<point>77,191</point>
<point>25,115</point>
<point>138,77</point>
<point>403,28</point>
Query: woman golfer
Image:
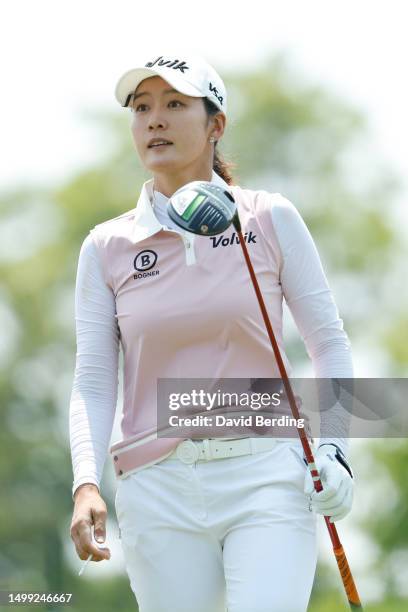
<point>219,523</point>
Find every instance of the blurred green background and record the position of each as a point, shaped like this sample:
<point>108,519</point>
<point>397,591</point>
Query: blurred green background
<point>284,135</point>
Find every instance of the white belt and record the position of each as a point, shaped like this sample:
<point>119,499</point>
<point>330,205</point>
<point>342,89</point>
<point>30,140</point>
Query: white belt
<point>190,451</point>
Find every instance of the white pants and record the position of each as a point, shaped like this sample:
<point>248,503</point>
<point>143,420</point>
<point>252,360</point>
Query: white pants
<point>231,534</point>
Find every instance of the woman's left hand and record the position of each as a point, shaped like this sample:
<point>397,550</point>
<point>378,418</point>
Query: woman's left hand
<point>336,498</point>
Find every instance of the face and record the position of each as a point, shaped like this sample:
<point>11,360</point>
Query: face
<point>159,111</point>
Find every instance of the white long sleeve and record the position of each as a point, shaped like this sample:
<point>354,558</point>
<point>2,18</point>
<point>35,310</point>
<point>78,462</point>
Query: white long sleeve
<point>311,303</point>
<point>95,385</point>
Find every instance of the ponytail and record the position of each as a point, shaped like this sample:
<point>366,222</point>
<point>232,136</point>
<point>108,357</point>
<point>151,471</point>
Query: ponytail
<point>223,168</point>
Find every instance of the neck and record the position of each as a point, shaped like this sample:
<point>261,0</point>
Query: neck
<point>168,184</point>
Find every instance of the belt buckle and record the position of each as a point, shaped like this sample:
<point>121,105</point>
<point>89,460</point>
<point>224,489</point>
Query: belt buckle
<point>187,452</point>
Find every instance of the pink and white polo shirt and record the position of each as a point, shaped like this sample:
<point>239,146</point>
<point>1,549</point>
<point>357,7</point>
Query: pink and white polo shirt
<point>185,308</point>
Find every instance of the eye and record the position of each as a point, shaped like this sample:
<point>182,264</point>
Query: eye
<point>176,102</point>
<point>138,107</point>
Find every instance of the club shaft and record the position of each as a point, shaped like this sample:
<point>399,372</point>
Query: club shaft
<point>345,572</point>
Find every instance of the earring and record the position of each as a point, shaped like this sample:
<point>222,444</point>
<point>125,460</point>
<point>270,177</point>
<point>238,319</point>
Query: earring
<point>212,139</point>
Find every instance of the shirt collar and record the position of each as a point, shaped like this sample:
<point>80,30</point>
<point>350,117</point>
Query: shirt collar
<point>145,222</point>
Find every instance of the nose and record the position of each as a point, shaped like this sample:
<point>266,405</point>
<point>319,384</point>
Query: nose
<point>157,121</point>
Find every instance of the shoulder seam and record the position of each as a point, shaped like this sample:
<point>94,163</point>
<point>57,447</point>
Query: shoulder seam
<point>123,215</point>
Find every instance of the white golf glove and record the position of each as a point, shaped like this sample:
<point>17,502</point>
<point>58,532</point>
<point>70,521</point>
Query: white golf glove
<point>336,476</point>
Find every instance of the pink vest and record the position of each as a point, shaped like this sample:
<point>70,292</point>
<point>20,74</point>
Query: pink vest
<point>186,308</point>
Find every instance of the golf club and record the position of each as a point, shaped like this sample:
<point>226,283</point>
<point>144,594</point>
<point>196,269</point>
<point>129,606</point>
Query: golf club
<point>206,209</point>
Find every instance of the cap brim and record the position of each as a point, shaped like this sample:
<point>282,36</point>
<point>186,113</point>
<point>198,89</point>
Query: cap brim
<point>131,79</point>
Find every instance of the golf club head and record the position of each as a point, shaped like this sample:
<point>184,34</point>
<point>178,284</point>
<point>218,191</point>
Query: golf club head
<point>203,208</point>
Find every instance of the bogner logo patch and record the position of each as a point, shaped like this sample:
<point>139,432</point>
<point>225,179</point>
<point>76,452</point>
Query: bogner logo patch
<point>144,262</point>
<point>169,63</point>
<point>234,239</point>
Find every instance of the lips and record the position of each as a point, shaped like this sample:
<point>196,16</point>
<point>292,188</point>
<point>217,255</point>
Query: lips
<point>158,142</point>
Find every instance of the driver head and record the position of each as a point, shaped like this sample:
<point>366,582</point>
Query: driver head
<point>203,208</point>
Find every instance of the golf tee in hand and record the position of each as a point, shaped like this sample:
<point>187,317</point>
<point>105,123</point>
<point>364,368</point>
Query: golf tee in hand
<point>81,571</point>
<point>101,546</point>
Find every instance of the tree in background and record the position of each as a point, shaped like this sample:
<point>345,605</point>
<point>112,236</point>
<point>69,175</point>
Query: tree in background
<point>285,135</point>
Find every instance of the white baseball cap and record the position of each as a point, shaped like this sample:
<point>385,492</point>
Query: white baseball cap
<point>190,75</point>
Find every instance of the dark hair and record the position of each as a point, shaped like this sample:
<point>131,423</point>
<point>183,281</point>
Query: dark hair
<point>220,165</point>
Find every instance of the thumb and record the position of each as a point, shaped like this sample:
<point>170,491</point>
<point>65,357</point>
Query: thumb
<point>100,530</point>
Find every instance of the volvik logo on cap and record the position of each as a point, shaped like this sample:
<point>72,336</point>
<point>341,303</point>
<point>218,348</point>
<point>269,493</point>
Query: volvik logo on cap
<point>169,63</point>
<point>191,76</point>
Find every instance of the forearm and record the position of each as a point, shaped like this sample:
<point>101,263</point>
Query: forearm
<point>333,367</point>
